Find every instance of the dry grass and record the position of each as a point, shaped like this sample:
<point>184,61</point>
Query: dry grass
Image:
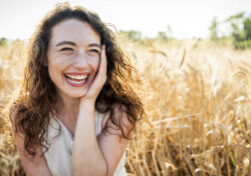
<point>197,102</point>
<point>11,64</point>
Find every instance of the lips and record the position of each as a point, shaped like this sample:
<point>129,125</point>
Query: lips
<point>77,79</point>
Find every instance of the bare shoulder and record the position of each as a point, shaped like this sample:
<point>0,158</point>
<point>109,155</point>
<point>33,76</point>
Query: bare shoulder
<point>33,165</point>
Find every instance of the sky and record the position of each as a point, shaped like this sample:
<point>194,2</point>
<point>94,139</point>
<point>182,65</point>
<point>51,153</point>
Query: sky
<point>187,18</point>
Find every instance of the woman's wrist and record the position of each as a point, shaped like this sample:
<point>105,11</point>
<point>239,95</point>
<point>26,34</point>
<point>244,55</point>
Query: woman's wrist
<point>87,104</point>
<point>86,101</point>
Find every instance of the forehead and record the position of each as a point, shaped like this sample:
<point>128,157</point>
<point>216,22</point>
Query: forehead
<point>74,30</point>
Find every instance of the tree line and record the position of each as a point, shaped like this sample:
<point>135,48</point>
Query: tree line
<point>238,27</point>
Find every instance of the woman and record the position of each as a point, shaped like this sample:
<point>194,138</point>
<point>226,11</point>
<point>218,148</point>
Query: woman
<point>74,113</point>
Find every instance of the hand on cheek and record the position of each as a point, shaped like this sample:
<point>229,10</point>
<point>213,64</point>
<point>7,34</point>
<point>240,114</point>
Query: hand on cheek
<point>99,80</point>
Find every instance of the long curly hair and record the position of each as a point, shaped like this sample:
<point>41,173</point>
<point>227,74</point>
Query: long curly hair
<point>34,104</point>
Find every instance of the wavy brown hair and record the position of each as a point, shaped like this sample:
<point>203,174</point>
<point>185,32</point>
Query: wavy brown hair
<point>31,111</point>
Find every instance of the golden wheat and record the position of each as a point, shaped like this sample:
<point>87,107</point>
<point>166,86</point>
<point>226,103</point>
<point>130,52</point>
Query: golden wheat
<point>197,101</point>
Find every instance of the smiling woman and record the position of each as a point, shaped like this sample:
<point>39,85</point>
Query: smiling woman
<point>74,113</point>
<point>73,56</point>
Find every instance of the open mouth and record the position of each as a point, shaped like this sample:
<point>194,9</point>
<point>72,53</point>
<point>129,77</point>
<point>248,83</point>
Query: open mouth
<point>76,80</point>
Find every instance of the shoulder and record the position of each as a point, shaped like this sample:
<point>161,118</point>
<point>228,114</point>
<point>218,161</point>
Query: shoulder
<point>33,165</point>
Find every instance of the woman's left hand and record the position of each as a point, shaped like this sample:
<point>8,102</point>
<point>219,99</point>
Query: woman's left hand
<point>98,81</point>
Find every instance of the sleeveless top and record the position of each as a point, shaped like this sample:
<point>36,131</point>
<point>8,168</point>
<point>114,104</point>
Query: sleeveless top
<point>59,154</point>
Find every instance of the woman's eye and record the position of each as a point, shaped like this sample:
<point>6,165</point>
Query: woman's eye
<point>66,49</point>
<point>94,51</point>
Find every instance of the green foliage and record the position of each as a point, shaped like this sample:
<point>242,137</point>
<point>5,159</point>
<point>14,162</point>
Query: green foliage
<point>242,44</point>
<point>236,17</point>
<point>240,27</point>
<point>241,30</point>
<point>136,36</point>
<point>162,36</point>
<point>3,41</point>
<point>131,35</point>
<point>213,29</point>
<point>247,27</point>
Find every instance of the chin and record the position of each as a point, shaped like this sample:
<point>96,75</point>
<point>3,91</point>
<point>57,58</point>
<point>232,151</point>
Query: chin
<point>74,93</point>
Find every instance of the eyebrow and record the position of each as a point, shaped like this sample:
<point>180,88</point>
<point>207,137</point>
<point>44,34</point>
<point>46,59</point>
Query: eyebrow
<point>66,43</point>
<point>72,43</point>
<point>95,44</point>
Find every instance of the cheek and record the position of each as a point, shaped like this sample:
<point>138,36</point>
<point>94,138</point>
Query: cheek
<point>57,63</point>
<point>55,68</point>
<point>52,67</point>
<point>52,71</point>
<point>94,62</point>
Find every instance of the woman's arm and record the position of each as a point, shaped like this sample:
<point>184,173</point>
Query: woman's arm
<point>87,158</point>
<point>97,157</point>
<point>32,165</point>
<point>91,156</point>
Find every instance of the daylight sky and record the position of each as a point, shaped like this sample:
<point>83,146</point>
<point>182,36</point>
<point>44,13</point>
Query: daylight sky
<point>187,18</point>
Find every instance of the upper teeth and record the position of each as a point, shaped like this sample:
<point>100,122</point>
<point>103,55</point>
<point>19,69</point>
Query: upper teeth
<point>77,76</point>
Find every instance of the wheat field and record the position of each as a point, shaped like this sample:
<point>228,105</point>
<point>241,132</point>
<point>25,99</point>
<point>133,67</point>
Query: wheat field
<point>196,95</point>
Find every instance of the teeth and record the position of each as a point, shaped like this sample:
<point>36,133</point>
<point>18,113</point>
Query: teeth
<point>76,82</point>
<point>77,76</point>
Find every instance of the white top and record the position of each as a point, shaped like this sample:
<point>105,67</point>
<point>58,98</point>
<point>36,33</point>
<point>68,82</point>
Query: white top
<point>59,153</point>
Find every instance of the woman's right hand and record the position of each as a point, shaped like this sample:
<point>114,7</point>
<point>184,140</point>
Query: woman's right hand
<point>99,80</point>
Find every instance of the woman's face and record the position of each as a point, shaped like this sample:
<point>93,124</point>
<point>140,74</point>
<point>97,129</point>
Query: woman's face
<point>73,57</point>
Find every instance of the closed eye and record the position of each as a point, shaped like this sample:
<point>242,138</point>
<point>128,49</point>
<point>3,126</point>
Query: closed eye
<point>66,49</point>
<point>94,50</point>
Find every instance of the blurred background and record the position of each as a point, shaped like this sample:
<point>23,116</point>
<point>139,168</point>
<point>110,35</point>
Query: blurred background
<point>194,60</point>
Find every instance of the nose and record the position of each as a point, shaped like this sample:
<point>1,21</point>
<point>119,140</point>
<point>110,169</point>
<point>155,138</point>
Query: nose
<point>80,60</point>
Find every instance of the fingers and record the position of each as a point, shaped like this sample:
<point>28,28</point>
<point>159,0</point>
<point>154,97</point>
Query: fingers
<point>100,77</point>
<point>103,64</point>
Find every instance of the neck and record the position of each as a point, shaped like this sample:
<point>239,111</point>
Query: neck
<point>67,107</point>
